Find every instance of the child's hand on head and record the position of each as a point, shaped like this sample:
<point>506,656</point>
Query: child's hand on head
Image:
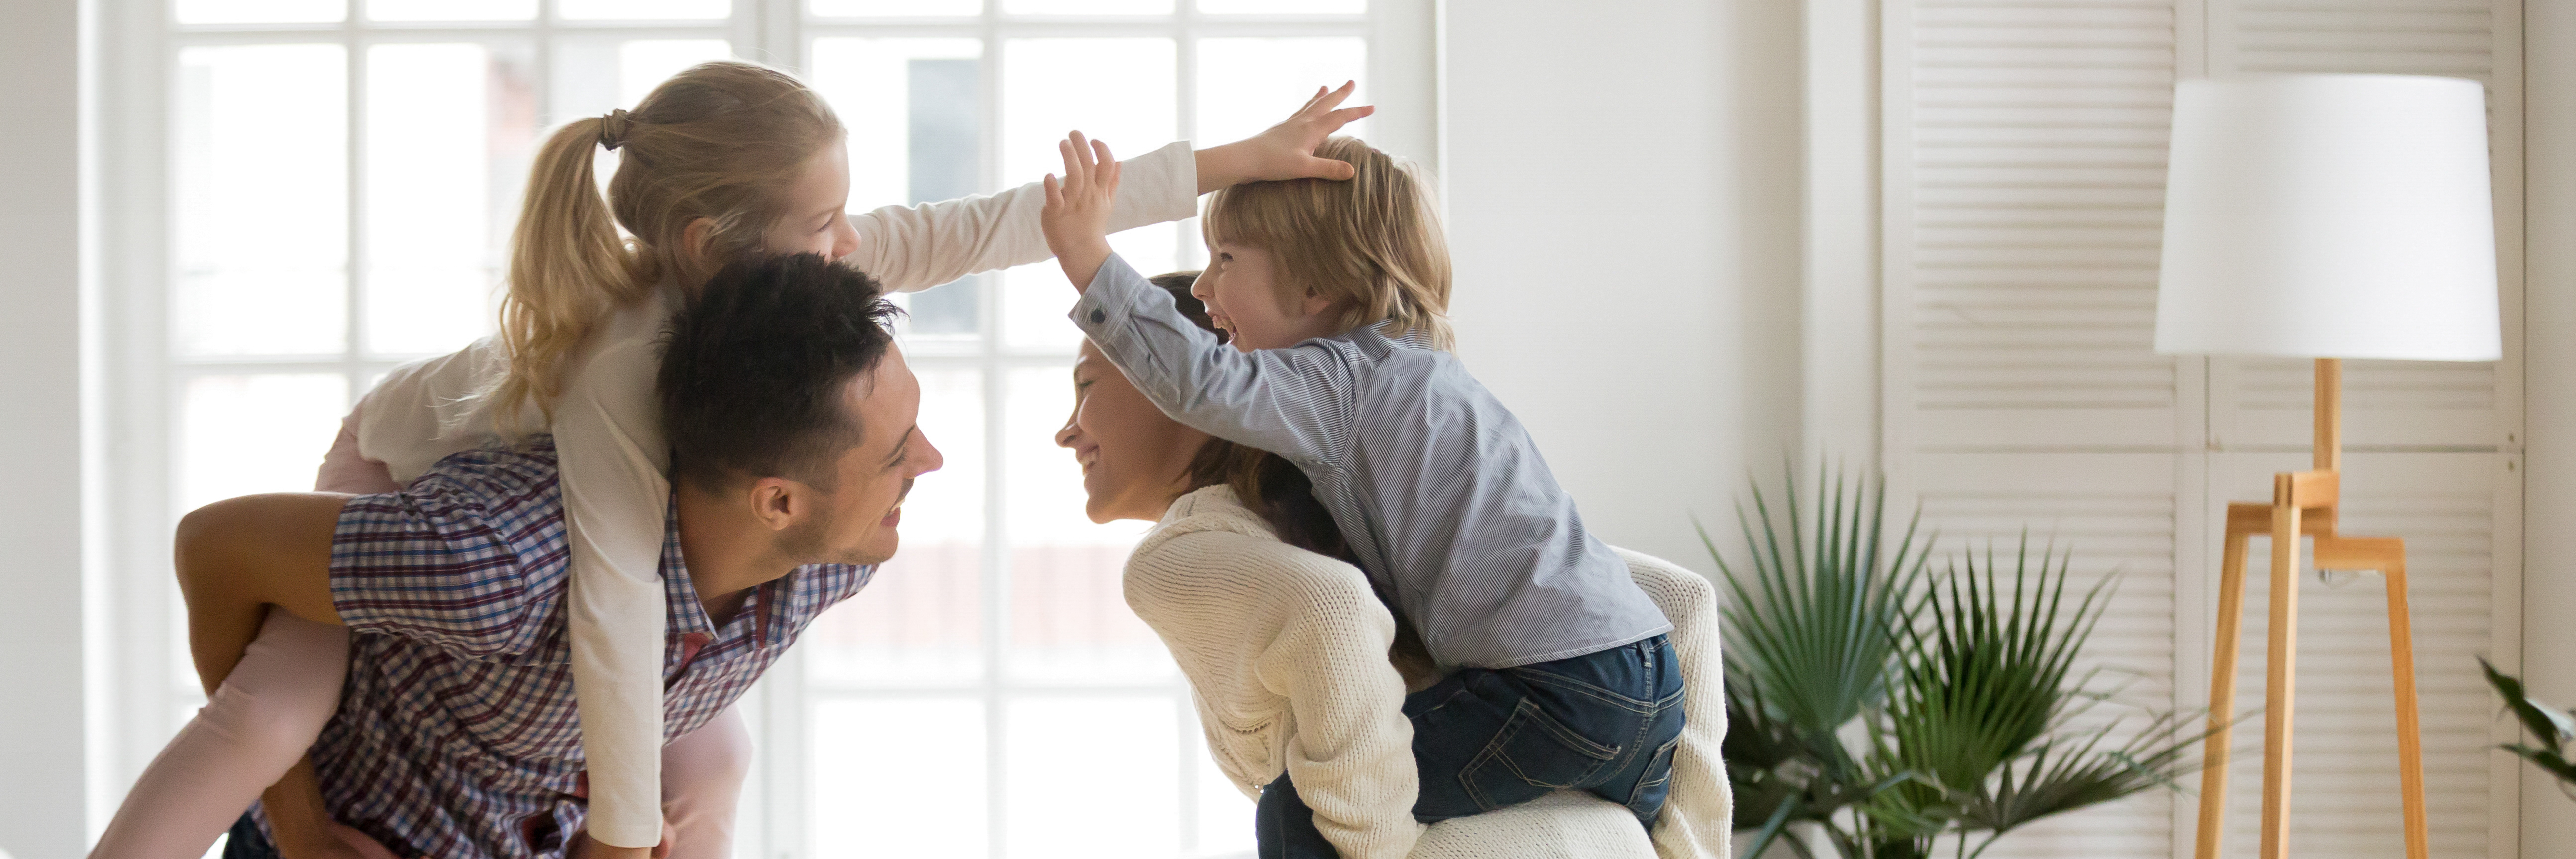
<point>1287,150</point>
<point>1076,218</point>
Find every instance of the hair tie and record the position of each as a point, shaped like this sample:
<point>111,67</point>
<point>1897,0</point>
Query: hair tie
<point>614,127</point>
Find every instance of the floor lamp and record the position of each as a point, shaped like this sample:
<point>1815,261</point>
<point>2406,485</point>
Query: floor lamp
<point>2325,217</point>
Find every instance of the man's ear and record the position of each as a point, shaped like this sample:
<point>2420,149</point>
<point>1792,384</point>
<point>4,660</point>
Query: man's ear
<point>775,501</point>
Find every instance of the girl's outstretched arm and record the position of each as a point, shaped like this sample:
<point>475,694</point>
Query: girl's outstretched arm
<point>910,248</point>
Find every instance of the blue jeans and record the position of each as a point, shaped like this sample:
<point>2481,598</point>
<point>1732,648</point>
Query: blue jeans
<point>248,842</point>
<point>1483,739</point>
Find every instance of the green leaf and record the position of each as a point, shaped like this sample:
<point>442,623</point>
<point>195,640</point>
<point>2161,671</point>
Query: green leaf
<point>2552,727</point>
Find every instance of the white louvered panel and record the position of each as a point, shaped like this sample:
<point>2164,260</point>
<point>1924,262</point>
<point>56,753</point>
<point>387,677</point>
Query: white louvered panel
<point>2387,403</point>
<point>2036,161</point>
<point>2344,787</point>
<point>2114,514</point>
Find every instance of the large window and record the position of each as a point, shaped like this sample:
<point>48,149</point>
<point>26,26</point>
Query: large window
<point>333,189</point>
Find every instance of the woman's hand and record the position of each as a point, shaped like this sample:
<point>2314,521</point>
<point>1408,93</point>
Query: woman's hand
<point>1076,217</point>
<point>1287,150</point>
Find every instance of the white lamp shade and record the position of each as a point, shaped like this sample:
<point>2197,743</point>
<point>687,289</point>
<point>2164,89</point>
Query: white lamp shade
<point>2329,216</point>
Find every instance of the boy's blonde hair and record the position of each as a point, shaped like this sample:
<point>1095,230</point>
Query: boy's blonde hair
<point>1371,245</point>
<point>721,141</point>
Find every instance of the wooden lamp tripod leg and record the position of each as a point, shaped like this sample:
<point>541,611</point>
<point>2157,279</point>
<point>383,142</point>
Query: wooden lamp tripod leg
<point>2410,732</point>
<point>2222,686</point>
<point>2281,671</point>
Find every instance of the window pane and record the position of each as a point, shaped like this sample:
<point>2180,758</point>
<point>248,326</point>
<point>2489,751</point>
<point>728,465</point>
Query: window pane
<point>896,8</point>
<point>450,129</point>
<point>263,191</point>
<point>594,76</point>
<point>1069,620</point>
<point>1087,7</point>
<point>1036,297</point>
<point>1283,7</point>
<point>921,619</point>
<point>1086,777</point>
<point>1246,85</point>
<point>1115,90</point>
<point>642,10</point>
<point>898,778</point>
<point>240,435</point>
<point>451,10</point>
<point>914,109</point>
<point>261,11</point>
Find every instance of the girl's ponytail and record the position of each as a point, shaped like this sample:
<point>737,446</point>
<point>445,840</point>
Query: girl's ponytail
<point>718,142</point>
<point>568,267</point>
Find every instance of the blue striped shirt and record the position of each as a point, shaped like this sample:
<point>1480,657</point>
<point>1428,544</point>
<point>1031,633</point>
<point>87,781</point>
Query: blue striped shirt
<point>1437,488</point>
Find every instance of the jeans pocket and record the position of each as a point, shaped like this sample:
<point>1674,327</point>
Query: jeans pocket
<point>1647,798</point>
<point>1532,755</point>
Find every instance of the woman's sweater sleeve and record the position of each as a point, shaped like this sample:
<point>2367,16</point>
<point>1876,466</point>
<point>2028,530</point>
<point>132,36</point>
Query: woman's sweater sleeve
<point>911,248</point>
<point>609,443</point>
<point>1260,627</point>
<point>1350,749</point>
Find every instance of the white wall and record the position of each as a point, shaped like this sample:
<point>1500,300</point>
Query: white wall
<point>42,780</point>
<point>2549,329</point>
<point>1623,194</point>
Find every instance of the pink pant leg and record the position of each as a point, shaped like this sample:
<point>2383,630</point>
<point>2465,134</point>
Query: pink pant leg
<point>344,469</point>
<point>702,775</point>
<point>257,725</point>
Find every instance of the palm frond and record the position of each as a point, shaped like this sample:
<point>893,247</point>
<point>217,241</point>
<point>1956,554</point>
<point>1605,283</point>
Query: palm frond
<point>2553,727</point>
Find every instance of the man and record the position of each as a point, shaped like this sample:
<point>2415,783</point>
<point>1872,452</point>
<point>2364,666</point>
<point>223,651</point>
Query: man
<point>791,424</point>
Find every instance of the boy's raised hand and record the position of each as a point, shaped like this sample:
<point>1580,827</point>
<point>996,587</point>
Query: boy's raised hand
<point>1287,150</point>
<point>1076,217</point>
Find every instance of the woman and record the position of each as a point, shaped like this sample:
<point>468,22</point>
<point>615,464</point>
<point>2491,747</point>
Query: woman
<point>1299,670</point>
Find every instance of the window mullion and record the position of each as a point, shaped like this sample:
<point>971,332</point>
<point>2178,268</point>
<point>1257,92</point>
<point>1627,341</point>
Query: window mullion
<point>997,533</point>
<point>354,278</point>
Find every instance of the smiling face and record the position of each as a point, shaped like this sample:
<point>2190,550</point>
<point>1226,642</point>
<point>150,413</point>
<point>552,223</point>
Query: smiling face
<point>1134,458</point>
<point>855,520</point>
<point>1244,295</point>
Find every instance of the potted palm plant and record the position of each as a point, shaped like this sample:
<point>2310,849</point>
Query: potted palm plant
<point>1887,704</point>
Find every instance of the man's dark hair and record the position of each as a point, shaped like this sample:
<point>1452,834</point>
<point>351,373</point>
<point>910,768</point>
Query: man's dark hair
<point>754,369</point>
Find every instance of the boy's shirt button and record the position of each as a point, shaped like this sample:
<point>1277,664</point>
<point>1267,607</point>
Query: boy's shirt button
<point>1098,317</point>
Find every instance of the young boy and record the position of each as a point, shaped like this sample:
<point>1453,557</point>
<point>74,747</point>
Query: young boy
<point>1335,291</point>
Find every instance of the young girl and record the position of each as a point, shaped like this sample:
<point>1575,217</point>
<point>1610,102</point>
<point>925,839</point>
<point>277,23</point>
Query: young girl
<point>724,160</point>
<point>1561,673</point>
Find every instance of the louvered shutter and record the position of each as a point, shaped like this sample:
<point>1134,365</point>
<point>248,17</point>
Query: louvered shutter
<point>2024,156</point>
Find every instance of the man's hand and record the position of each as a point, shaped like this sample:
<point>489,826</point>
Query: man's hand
<point>1076,218</point>
<point>1287,150</point>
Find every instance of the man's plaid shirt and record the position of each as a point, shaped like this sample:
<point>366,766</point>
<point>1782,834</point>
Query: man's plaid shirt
<point>457,735</point>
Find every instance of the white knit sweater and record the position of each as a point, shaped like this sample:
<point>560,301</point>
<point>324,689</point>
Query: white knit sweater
<point>1286,652</point>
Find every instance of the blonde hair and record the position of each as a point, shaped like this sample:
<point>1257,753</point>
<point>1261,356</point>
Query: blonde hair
<point>718,141</point>
<point>1371,245</point>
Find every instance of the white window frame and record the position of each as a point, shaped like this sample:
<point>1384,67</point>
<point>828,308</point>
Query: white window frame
<point>139,44</point>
